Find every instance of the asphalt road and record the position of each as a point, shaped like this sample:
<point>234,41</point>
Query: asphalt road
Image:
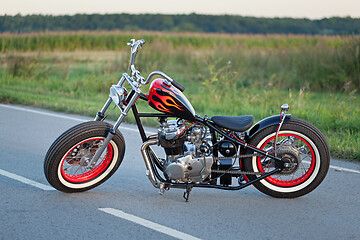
<point>127,206</point>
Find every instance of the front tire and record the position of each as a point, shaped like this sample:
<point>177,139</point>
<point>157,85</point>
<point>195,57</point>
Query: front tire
<point>300,144</point>
<point>66,161</point>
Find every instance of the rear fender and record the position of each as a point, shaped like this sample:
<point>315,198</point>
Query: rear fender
<point>266,122</point>
<point>259,126</point>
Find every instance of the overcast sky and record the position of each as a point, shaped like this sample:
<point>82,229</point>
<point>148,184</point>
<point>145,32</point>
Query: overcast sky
<point>314,9</point>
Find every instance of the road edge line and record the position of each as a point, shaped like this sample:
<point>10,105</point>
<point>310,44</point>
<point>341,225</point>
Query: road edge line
<point>61,116</point>
<point>25,180</point>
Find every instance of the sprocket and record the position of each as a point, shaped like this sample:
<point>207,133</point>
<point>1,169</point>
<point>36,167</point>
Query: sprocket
<point>291,158</point>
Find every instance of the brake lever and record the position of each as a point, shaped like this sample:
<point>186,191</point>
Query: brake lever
<point>131,43</point>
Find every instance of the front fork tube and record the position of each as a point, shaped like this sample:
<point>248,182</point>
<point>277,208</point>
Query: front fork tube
<point>112,131</point>
<point>100,115</point>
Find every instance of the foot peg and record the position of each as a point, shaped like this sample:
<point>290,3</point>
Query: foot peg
<point>187,193</point>
<point>162,188</point>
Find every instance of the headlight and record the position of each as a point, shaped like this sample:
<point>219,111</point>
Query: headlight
<point>117,94</point>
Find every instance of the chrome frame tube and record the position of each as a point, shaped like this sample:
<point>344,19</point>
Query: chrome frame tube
<point>284,109</point>
<point>277,132</point>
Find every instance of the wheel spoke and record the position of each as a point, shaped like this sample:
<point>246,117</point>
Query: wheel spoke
<point>303,168</point>
<point>73,167</point>
<point>76,171</point>
<point>296,150</point>
<point>70,167</point>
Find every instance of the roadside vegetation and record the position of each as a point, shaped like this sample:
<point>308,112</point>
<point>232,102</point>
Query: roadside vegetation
<point>319,77</point>
<point>179,23</point>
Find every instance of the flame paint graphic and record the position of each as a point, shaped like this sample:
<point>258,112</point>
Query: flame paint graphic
<point>168,99</point>
<point>170,102</point>
<point>160,107</point>
<point>166,102</point>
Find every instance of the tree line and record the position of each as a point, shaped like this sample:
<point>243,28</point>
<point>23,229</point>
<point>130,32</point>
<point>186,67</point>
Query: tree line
<point>179,23</point>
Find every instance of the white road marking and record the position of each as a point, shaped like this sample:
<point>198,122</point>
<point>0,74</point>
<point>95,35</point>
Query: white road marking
<point>344,169</point>
<point>61,116</point>
<point>146,223</point>
<point>339,168</point>
<point>42,113</point>
<point>25,180</point>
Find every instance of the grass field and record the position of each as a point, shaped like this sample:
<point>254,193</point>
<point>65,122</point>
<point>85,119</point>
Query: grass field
<point>319,77</point>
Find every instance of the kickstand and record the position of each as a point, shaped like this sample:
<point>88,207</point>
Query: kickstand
<point>187,193</point>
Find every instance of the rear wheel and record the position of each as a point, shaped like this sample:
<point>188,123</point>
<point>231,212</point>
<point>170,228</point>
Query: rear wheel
<point>299,144</point>
<point>66,163</point>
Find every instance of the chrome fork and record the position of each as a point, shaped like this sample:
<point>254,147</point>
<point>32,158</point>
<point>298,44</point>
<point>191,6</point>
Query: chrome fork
<point>124,113</point>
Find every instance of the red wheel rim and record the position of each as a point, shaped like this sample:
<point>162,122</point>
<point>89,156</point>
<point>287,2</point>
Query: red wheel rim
<point>73,171</point>
<point>298,177</point>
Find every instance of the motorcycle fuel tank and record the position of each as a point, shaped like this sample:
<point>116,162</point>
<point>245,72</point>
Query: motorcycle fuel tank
<point>168,99</point>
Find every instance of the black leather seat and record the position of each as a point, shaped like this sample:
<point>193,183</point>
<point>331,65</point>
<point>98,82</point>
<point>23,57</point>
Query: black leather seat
<point>235,123</point>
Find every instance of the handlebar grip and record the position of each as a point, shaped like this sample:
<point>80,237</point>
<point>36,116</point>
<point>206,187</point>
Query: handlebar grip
<point>178,85</point>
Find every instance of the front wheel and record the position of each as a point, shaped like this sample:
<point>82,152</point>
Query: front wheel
<point>66,162</point>
<point>299,144</point>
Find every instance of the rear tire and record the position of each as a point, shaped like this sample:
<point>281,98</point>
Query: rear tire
<point>304,146</point>
<point>66,160</point>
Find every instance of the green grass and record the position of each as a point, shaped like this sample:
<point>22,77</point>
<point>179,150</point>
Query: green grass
<point>114,40</point>
<point>318,77</point>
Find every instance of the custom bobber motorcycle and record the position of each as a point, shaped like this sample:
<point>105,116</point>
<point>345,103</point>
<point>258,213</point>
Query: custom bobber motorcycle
<point>282,156</point>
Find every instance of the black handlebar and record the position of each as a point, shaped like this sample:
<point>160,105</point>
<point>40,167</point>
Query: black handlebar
<point>178,85</point>
<point>142,42</point>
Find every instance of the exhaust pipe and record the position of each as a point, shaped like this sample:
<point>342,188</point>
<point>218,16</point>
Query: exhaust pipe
<point>150,173</point>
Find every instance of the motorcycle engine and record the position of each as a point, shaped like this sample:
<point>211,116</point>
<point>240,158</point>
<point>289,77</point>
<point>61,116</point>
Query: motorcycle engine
<point>188,151</point>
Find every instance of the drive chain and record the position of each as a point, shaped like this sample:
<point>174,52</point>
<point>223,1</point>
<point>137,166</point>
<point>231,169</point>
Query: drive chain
<point>237,156</point>
<point>237,172</point>
<point>241,172</point>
